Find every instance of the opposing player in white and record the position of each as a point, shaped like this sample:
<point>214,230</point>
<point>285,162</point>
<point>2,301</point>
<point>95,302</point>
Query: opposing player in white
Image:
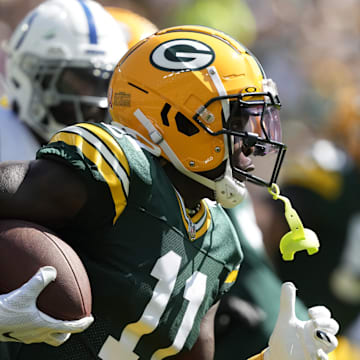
<point>60,78</point>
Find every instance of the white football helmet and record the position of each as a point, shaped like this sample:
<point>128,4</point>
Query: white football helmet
<point>60,60</point>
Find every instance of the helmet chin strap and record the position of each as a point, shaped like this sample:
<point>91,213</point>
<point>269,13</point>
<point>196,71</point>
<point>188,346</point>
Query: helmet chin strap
<point>228,191</point>
<point>214,76</point>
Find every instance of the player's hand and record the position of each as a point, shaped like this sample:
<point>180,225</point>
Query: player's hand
<point>293,339</point>
<point>22,321</point>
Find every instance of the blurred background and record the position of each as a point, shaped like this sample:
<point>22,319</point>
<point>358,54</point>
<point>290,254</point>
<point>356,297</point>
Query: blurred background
<point>310,48</point>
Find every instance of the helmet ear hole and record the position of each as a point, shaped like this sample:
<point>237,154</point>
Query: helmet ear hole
<point>184,125</point>
<point>45,120</point>
<point>46,82</point>
<point>15,107</point>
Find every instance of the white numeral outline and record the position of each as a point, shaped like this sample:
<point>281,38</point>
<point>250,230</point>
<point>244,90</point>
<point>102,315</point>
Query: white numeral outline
<point>165,270</point>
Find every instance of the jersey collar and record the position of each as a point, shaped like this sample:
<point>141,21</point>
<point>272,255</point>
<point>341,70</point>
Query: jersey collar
<point>198,224</point>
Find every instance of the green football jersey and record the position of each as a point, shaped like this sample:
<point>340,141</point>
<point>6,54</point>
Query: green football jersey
<point>154,271</point>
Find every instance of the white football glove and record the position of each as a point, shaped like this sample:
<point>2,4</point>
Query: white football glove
<point>293,339</point>
<point>22,321</point>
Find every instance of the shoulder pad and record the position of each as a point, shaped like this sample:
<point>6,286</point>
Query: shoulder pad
<point>92,148</point>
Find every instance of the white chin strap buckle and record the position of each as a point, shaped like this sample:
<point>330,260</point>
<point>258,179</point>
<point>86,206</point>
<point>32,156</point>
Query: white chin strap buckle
<point>229,192</point>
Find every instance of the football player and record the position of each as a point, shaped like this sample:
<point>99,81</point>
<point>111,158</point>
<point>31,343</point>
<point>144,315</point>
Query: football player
<point>141,201</point>
<point>59,62</point>
<point>244,312</point>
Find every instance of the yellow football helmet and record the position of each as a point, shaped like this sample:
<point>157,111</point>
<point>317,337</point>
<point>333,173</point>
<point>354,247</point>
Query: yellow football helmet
<point>187,94</point>
<point>134,25</point>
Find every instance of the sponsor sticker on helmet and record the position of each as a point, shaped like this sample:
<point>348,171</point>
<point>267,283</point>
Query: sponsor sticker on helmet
<point>182,55</point>
<point>122,99</point>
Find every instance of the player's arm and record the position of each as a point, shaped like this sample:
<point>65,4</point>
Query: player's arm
<point>43,191</point>
<point>49,193</point>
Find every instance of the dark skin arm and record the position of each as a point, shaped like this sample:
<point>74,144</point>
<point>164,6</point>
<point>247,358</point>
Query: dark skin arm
<point>51,194</point>
<point>42,191</point>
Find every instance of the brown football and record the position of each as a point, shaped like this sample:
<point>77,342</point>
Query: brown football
<point>24,248</point>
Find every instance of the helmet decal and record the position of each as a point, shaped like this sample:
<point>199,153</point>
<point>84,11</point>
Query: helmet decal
<point>93,37</point>
<point>182,55</point>
<point>250,89</point>
<point>25,29</point>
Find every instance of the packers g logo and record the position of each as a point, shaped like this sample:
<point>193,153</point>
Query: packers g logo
<point>182,54</point>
